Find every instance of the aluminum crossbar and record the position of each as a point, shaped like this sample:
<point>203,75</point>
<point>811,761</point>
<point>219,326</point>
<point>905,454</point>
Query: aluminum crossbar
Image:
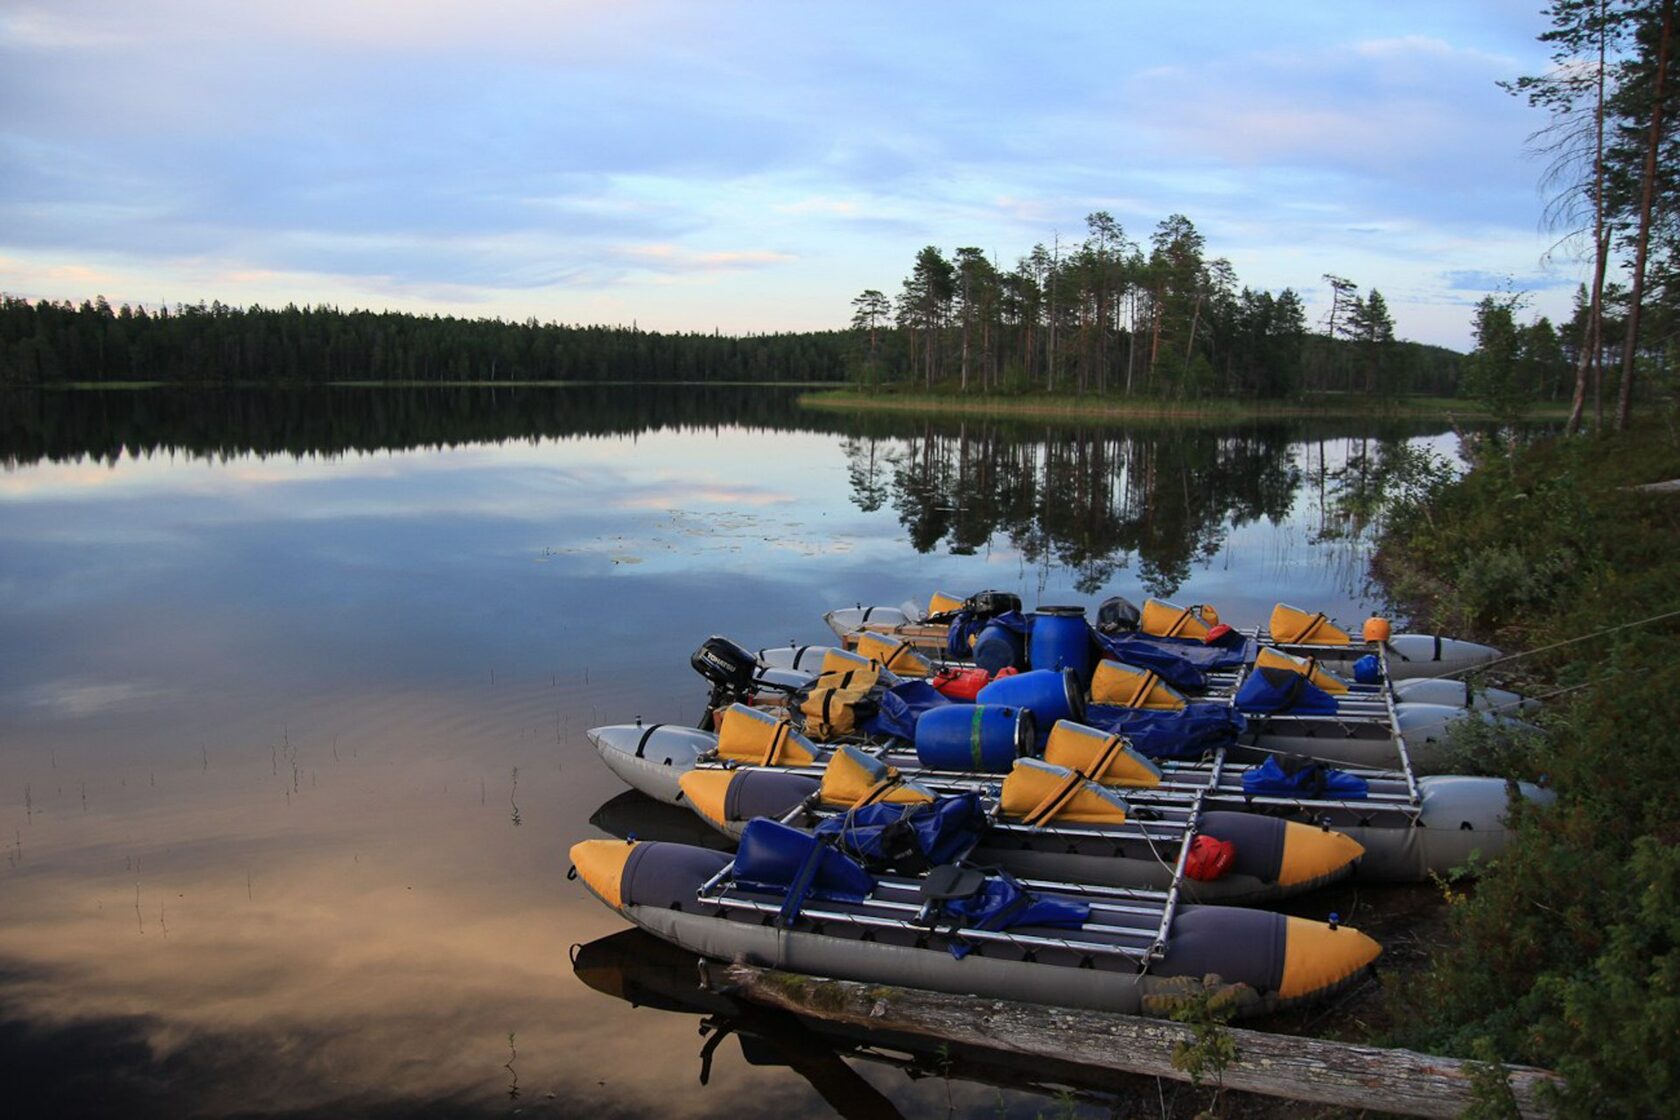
<point>1001,937</point>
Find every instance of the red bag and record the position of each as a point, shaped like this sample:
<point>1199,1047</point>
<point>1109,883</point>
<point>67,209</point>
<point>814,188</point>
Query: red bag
<point>1216,633</point>
<point>1209,858</point>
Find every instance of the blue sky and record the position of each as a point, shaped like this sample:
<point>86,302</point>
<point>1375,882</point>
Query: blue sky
<point>752,166</point>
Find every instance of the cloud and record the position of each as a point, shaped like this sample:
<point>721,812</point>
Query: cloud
<point>1409,48</point>
<point>81,698</point>
<point>820,205</point>
<point>1478,280</point>
<point>46,29</point>
<point>673,258</point>
<point>680,497</point>
<point>522,150</point>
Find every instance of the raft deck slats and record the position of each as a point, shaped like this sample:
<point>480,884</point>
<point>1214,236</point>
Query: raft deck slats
<point>870,921</point>
<point>1229,796</point>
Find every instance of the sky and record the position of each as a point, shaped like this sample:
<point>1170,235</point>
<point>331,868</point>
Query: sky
<point>751,167</point>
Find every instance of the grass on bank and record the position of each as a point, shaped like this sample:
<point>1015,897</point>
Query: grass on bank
<point>1070,406</point>
<point>1566,953</point>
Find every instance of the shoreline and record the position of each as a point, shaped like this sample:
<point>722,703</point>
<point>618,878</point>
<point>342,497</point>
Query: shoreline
<point>1096,408</point>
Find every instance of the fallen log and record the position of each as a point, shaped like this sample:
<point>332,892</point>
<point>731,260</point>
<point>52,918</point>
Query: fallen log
<point>1304,1069</point>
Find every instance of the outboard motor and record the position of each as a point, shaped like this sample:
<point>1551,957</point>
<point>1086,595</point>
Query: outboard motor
<point>730,668</point>
<point>990,604</point>
<point>1118,615</point>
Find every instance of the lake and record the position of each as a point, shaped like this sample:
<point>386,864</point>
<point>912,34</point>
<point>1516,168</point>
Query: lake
<point>294,687</point>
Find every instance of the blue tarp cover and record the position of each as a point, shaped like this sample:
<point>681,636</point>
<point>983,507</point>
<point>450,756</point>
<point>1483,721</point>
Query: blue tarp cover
<point>1003,904</point>
<point>901,706</point>
<point>1285,777</point>
<point>1187,733</point>
<point>1148,653</point>
<point>943,829</point>
<point>966,624</point>
<point>1272,691</point>
<point>1231,652</point>
<point>774,857</point>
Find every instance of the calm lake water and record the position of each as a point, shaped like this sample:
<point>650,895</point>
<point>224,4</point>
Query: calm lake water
<point>293,689</point>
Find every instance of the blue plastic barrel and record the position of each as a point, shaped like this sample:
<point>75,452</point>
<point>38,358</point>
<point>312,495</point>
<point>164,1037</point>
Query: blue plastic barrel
<point>1050,694</point>
<point>1061,640</point>
<point>999,647</point>
<point>980,737</point>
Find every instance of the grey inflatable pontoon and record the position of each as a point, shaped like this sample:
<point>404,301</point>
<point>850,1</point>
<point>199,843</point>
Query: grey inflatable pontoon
<point>1135,953</point>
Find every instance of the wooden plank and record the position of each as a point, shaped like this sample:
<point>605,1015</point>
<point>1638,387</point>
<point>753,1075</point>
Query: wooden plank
<point>1305,1069</point>
<point>911,634</point>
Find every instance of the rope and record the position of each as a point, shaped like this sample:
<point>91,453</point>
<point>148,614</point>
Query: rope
<point>1565,642</point>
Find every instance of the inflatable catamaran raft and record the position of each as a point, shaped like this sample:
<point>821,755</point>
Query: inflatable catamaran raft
<point>1299,631</point>
<point>758,765</point>
<point>1043,819</point>
<point>789,901</point>
<point>791,666</point>
<point>1326,717</point>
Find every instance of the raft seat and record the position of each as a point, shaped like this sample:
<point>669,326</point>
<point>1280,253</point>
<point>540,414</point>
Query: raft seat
<point>1127,686</point>
<point>1102,757</point>
<point>754,736</point>
<point>1162,619</point>
<point>1037,792</point>
<point>1308,667</point>
<point>1294,626</point>
<point>895,655</point>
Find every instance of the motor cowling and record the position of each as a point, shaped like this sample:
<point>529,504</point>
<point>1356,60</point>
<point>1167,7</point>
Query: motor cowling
<point>1118,615</point>
<point>990,604</point>
<point>727,665</point>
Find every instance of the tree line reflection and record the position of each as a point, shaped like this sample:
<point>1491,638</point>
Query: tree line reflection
<point>1095,499</point>
<point>104,425</point>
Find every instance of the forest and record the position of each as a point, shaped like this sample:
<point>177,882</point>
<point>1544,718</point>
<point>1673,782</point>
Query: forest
<point>43,342</point>
<point>1267,351</point>
<point>1109,315</point>
<point>1566,953</point>
<point>1163,317</point>
<point>1104,316</point>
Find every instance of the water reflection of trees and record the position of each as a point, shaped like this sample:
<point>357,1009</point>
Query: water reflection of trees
<point>1092,500</point>
<point>335,420</point>
<point>1376,474</point>
<point>1095,499</point>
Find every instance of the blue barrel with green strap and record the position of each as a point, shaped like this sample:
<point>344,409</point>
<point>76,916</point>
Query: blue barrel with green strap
<point>985,738</point>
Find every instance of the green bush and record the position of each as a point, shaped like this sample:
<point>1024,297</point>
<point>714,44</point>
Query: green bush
<point>1567,952</point>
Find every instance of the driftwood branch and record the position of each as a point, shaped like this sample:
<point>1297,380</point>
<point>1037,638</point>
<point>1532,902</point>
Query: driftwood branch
<point>1305,1069</point>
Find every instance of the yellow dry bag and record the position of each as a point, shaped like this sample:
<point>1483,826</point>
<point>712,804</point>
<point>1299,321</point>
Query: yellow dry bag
<point>1036,793</point>
<point>1126,686</point>
<point>754,736</point>
<point>1099,756</point>
<point>1294,626</point>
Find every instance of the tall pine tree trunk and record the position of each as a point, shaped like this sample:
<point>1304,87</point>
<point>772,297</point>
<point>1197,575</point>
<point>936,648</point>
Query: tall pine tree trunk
<point>1636,293</point>
<point>1155,335</point>
<point>1131,339</point>
<point>1592,347</point>
<point>1195,318</point>
<point>1050,355</point>
<point>967,309</point>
